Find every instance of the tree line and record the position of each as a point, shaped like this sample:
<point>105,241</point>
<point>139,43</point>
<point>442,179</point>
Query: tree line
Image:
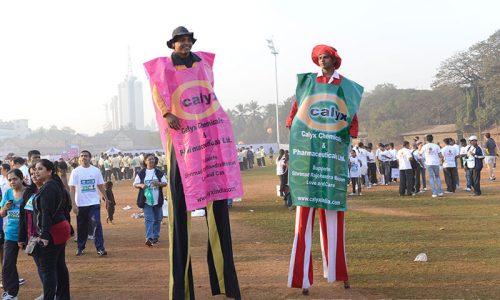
<point>466,91</point>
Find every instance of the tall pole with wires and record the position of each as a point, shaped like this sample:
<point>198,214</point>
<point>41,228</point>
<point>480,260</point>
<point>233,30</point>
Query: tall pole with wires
<point>270,44</point>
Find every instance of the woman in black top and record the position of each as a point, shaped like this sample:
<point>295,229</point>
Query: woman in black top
<point>51,208</point>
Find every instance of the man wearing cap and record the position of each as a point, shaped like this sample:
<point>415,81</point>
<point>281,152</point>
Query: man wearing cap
<point>474,162</point>
<point>331,221</point>
<point>221,267</point>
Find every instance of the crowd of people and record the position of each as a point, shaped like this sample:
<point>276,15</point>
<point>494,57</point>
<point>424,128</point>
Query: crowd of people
<point>248,155</point>
<point>413,166</point>
<point>35,211</point>
<point>37,196</point>
<point>414,162</point>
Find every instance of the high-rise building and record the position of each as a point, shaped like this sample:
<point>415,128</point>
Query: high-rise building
<point>126,110</point>
<point>130,103</point>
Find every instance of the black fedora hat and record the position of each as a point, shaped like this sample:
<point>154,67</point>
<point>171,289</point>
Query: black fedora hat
<point>179,31</point>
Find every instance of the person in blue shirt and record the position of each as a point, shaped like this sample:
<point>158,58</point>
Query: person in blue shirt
<point>10,206</point>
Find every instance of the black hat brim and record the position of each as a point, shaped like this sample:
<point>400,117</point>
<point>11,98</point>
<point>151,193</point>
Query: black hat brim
<point>170,43</point>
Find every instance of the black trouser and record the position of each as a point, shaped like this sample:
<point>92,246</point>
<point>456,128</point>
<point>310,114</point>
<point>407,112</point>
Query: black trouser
<point>372,172</point>
<point>107,175</point>
<point>355,181</point>
<point>51,263</point>
<point>117,174</point>
<point>282,184</point>
<point>259,162</point>
<point>405,182</point>
<point>10,277</point>
<point>245,163</point>
<point>221,269</point>
<point>386,165</point>
<point>263,161</point>
<point>455,175</point>
<point>86,216</point>
<point>416,178</point>
<point>476,180</point>
<point>111,211</point>
<point>450,175</point>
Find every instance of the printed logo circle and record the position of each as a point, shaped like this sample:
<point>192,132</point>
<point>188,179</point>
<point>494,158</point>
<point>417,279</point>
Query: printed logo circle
<point>194,100</point>
<point>326,112</point>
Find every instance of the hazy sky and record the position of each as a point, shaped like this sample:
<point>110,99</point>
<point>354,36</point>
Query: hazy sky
<point>60,61</point>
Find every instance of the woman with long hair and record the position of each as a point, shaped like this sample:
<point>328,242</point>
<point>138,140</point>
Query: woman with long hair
<point>10,206</point>
<point>51,208</point>
<point>27,222</point>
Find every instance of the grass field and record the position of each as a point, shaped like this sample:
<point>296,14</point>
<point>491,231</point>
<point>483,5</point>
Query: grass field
<point>385,232</point>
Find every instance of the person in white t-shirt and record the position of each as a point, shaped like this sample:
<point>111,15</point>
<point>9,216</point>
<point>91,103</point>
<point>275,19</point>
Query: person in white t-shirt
<point>372,165</point>
<point>362,154</point>
<point>355,165</point>
<point>151,179</point>
<point>4,183</point>
<point>404,157</point>
<point>432,158</point>
<point>393,162</point>
<point>456,146</point>
<point>20,163</point>
<point>450,155</point>
<point>468,172</point>
<point>85,183</point>
<point>281,170</point>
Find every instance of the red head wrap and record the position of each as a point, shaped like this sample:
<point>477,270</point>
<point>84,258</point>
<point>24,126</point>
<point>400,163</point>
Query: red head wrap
<point>324,49</point>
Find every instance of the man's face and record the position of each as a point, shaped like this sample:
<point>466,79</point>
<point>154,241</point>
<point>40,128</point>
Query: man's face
<point>84,159</point>
<point>473,143</point>
<point>326,61</point>
<point>35,158</point>
<point>183,45</point>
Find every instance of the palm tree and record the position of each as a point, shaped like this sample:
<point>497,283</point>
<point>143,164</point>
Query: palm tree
<point>254,110</point>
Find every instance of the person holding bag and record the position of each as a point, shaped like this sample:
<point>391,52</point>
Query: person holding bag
<point>51,208</point>
<point>10,212</point>
<point>150,181</point>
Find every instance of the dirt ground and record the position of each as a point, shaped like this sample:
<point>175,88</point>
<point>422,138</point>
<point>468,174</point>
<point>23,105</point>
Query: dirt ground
<point>133,271</point>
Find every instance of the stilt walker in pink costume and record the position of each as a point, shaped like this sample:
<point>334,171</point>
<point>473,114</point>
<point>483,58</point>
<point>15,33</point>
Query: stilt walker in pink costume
<point>197,137</point>
<point>332,231</point>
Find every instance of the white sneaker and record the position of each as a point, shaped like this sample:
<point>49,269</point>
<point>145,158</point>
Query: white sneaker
<point>468,189</point>
<point>434,196</point>
<point>6,296</point>
<point>21,281</point>
<point>440,194</point>
<point>425,189</point>
<point>360,194</point>
<point>446,192</point>
<point>352,194</point>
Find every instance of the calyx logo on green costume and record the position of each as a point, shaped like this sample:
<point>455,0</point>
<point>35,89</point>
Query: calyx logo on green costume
<point>326,112</point>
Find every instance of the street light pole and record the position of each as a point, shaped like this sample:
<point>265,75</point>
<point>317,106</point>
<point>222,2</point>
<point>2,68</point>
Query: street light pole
<point>270,44</point>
